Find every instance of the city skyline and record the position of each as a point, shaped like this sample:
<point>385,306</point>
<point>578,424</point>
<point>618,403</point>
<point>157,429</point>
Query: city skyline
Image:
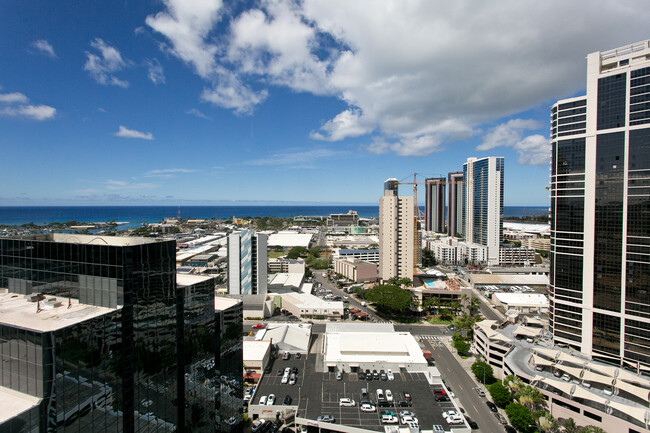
<point>166,103</point>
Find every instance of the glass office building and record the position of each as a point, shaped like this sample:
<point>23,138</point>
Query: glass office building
<point>482,212</point>
<point>600,202</point>
<point>96,335</point>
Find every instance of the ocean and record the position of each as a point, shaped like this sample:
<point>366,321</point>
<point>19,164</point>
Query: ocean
<point>134,216</point>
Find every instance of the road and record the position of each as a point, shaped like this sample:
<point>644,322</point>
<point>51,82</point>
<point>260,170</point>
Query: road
<point>458,379</point>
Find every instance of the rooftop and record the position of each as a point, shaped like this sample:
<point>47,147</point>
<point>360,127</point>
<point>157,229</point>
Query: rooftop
<point>509,280</point>
<point>522,299</point>
<point>188,280</point>
<point>222,303</point>
<point>254,350</point>
<point>118,241</point>
<point>13,403</point>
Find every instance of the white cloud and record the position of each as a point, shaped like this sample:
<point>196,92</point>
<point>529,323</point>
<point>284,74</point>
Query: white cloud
<point>296,159</point>
<point>44,47</point>
<point>167,172</point>
<point>532,150</point>
<point>187,25</point>
<point>17,105</point>
<point>132,133</point>
<point>155,71</point>
<point>102,67</point>
<point>416,75</point>
<point>11,98</point>
<point>197,113</point>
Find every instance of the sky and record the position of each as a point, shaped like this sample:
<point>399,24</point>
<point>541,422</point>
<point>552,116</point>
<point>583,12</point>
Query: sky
<point>285,102</point>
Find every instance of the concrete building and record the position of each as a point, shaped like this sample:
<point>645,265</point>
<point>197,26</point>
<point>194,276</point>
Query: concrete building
<point>397,234</point>
<point>308,306</point>
<point>290,239</point>
<point>483,204</point>
<point>537,243</point>
<point>600,248</point>
<point>521,302</point>
<point>286,282</point>
<point>574,386</point>
<point>455,203</point>
<point>452,251</point>
<point>434,204</point>
<point>247,263</point>
<point>93,328</point>
<point>257,355</point>
<point>343,219</point>
<point>516,255</point>
<point>503,281</point>
<point>356,270</point>
<point>371,256</point>
<point>289,266</point>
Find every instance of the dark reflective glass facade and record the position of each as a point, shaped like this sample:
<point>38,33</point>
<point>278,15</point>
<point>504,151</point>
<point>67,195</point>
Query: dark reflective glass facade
<point>150,364</point>
<point>610,159</point>
<point>611,101</point>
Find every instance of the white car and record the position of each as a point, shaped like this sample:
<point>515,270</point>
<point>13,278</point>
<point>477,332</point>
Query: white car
<point>367,407</point>
<point>380,394</point>
<point>347,402</point>
<point>263,400</point>
<point>389,395</point>
<point>389,419</point>
<point>271,400</point>
<point>404,413</point>
<point>390,375</point>
<point>449,413</point>
<point>285,378</point>
<point>408,419</point>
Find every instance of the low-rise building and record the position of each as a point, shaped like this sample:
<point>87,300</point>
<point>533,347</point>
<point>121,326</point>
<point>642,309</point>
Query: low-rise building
<point>307,306</point>
<point>285,282</point>
<point>343,219</point>
<point>537,243</point>
<point>505,281</point>
<point>451,251</point>
<point>356,270</point>
<point>257,354</point>
<point>288,266</point>
<point>516,255</point>
<point>521,302</point>
<point>608,396</point>
<point>371,256</point>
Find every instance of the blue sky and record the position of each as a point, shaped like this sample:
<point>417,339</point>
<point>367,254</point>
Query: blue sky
<point>204,102</point>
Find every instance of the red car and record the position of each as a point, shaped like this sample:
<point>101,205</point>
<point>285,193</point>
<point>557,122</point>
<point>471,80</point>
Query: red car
<point>258,326</point>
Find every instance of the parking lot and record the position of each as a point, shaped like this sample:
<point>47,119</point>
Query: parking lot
<point>318,393</point>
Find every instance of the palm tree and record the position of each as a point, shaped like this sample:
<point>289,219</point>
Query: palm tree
<point>591,429</point>
<point>547,423</point>
<point>570,426</point>
<point>513,383</point>
<point>530,397</point>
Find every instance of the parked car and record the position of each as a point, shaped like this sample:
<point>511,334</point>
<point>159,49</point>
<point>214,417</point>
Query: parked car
<point>325,418</point>
<point>262,400</point>
<point>364,393</point>
<point>280,372</point>
<point>294,370</point>
<point>389,395</point>
<point>361,375</point>
<point>408,419</point>
<point>347,402</point>
<point>380,394</point>
<point>286,356</point>
<point>292,379</point>
<point>339,375</point>
<point>267,369</point>
<point>367,407</point>
<point>389,419</point>
<point>382,375</point>
<point>375,375</point>
<point>480,391</point>
<point>492,406</point>
<point>285,379</point>
<point>510,429</point>
<point>500,417</point>
<point>472,423</point>
<point>258,326</point>
<point>298,355</point>
<point>407,395</point>
<point>390,375</point>
<point>287,400</point>
<point>257,424</point>
<point>271,400</point>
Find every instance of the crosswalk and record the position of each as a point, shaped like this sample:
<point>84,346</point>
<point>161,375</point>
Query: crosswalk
<point>430,338</point>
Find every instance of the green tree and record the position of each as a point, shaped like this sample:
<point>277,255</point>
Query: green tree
<point>395,281</point>
<point>500,395</point>
<point>513,384</point>
<point>319,263</point>
<point>530,397</point>
<point>591,429</point>
<point>390,297</point>
<point>431,303</point>
<point>459,343</point>
<point>314,251</point>
<point>520,417</point>
<point>296,252</point>
<point>428,258</point>
<point>546,422</point>
<point>570,426</point>
<point>483,372</point>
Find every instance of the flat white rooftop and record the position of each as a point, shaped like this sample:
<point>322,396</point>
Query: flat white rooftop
<point>509,280</point>
<point>306,300</point>
<point>373,347</point>
<point>524,299</point>
<point>13,403</point>
<point>221,303</point>
<point>254,350</point>
<point>16,310</point>
<point>118,241</point>
<point>188,280</point>
<point>290,239</point>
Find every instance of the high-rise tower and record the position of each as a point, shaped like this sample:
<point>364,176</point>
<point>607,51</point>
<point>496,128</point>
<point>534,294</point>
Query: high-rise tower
<point>455,203</point>
<point>483,203</point>
<point>600,202</point>
<point>247,263</point>
<point>396,233</point>
<point>434,204</point>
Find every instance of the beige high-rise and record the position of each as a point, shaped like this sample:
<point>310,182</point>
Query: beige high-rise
<point>396,233</point>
